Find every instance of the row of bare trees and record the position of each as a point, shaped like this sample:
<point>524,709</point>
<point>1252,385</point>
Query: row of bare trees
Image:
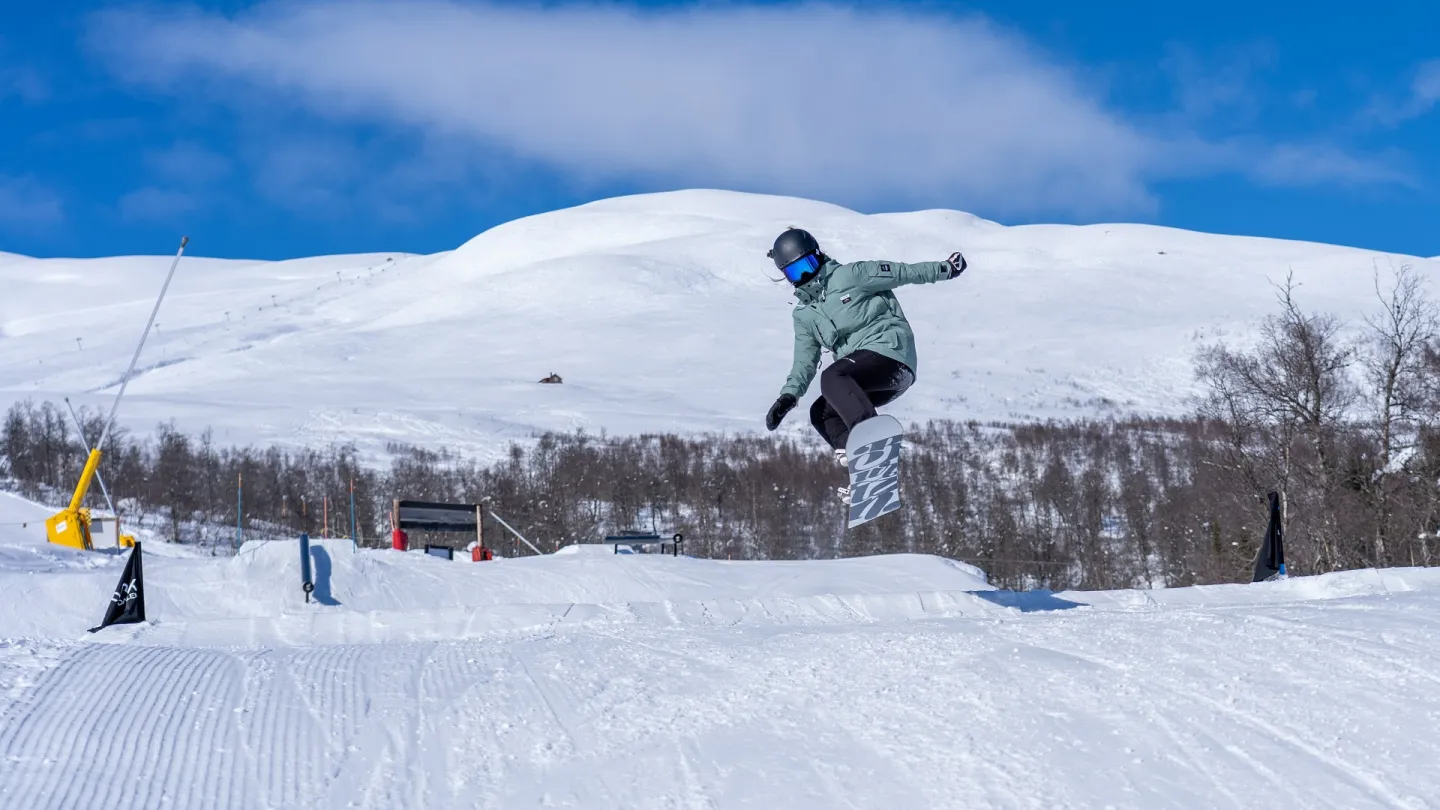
<point>186,486</point>
<point>1341,421</point>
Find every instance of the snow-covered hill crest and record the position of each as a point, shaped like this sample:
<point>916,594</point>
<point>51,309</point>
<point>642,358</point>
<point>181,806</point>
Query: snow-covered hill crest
<point>657,312</point>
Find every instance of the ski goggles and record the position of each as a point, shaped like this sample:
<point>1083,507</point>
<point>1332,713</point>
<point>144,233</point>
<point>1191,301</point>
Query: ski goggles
<point>796,270</point>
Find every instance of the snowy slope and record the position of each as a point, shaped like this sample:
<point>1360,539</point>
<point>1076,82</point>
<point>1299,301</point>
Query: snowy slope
<point>657,313</point>
<point>590,680</point>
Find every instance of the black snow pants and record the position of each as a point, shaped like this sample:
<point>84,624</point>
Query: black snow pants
<point>850,390</point>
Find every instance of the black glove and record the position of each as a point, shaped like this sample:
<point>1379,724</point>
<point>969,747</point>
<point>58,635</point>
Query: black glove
<point>957,264</point>
<point>777,412</point>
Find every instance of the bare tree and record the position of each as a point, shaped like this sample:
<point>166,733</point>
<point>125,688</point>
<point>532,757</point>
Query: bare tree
<point>1099,504</point>
<point>1393,358</point>
<point>1284,401</point>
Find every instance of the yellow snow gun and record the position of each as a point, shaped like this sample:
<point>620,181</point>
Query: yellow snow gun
<point>71,525</point>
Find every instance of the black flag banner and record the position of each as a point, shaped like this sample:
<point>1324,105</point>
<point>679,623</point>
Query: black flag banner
<point>1270,560</point>
<point>127,605</point>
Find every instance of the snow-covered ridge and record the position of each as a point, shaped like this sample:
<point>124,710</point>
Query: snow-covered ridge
<point>656,311</point>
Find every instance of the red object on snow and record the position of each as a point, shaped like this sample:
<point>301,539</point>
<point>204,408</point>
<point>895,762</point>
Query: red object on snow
<point>400,540</point>
<point>481,554</point>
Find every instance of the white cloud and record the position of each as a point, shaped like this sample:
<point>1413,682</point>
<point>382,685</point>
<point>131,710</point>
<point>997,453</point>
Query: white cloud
<point>814,99</point>
<point>1425,89</point>
<point>23,82</point>
<point>188,163</point>
<point>1422,97</point>
<point>312,176</point>
<point>25,203</point>
<point>1323,164</point>
<point>829,102</point>
<point>1225,83</point>
<point>151,204</point>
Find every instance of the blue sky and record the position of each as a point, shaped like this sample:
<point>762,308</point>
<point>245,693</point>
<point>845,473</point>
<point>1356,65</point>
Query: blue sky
<point>301,127</point>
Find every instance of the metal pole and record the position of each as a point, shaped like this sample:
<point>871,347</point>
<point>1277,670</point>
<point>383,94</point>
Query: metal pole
<point>125,381</point>
<point>239,504</point>
<point>307,582</point>
<point>98,477</point>
<point>512,531</point>
<point>354,538</point>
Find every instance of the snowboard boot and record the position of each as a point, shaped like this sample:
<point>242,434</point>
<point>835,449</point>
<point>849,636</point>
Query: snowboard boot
<point>844,494</point>
<point>841,458</point>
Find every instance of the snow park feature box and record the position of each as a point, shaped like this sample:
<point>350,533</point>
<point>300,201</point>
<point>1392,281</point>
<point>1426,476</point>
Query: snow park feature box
<point>457,518</point>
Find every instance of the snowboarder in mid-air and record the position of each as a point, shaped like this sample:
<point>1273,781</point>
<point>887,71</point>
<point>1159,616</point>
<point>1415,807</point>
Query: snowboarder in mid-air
<point>849,310</point>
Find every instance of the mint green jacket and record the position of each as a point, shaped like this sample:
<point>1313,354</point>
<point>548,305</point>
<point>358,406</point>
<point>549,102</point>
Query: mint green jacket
<point>849,307</point>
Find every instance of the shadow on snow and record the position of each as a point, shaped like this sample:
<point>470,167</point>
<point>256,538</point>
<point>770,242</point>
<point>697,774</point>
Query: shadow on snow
<point>1028,601</point>
<point>321,558</point>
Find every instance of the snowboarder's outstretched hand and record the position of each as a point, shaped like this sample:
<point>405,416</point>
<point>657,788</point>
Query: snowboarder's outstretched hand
<point>957,264</point>
<point>777,412</point>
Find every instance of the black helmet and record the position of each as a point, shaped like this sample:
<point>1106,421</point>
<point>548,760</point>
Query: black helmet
<point>793,246</point>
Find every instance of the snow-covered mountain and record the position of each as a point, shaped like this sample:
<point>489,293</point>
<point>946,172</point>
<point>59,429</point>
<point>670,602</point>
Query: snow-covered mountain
<point>590,679</point>
<point>657,312</point>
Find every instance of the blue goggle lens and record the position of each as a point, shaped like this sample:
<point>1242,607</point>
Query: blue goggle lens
<point>798,268</point>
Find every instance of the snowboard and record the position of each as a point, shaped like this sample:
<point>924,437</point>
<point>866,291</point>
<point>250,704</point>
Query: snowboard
<point>874,454</point>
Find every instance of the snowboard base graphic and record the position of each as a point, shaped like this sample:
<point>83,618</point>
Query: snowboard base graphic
<point>874,454</point>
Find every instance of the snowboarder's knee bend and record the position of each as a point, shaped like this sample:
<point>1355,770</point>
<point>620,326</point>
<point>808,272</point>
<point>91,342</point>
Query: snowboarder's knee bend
<point>827,423</point>
<point>818,414</point>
